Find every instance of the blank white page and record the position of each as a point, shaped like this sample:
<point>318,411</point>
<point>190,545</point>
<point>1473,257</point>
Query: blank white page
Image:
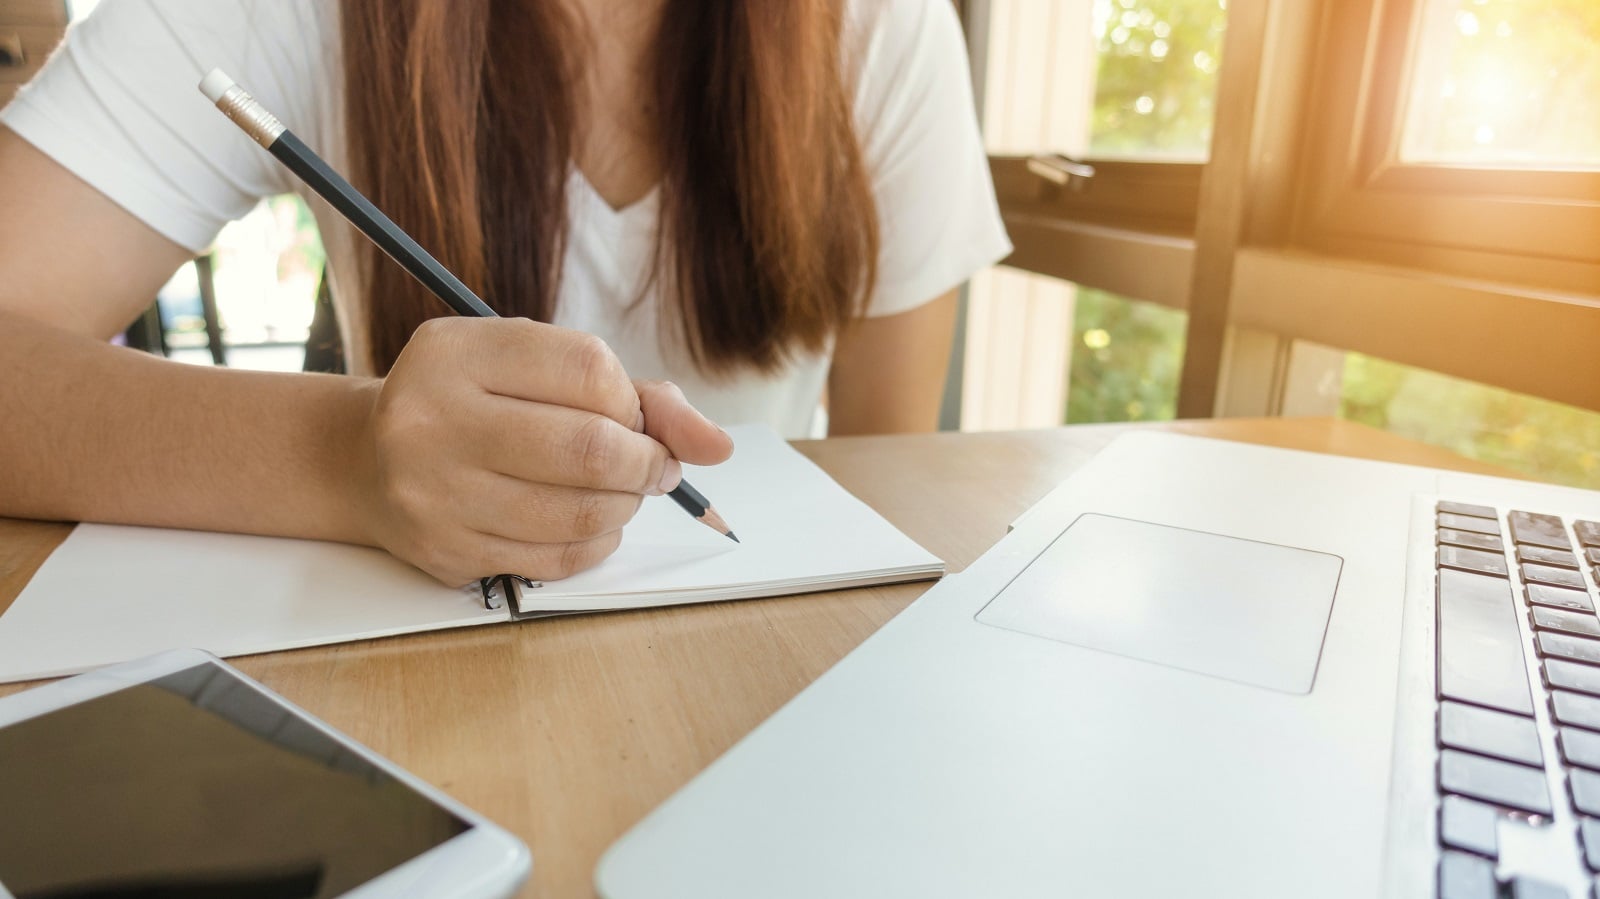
<point>799,531</point>
<point>112,593</point>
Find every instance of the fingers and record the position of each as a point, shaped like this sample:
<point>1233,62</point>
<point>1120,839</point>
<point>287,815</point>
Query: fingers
<point>463,561</point>
<point>506,446</point>
<point>546,444</point>
<point>540,513</point>
<point>536,362</point>
<point>671,421</point>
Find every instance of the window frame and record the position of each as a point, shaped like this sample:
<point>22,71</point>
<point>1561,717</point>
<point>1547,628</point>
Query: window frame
<point>1531,226</point>
<point>1304,209</point>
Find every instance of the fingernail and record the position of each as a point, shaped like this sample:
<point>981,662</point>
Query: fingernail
<point>671,475</point>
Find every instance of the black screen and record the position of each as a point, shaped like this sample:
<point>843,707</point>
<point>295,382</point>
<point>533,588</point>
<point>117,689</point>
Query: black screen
<point>197,785</point>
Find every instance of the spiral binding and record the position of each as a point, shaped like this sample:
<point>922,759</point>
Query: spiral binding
<point>494,598</point>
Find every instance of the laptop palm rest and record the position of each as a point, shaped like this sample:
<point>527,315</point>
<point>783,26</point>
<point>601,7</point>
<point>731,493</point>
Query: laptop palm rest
<point>1236,609</point>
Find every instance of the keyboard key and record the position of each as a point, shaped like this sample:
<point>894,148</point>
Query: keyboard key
<point>1469,825</point>
<point>1471,540</point>
<point>1468,523</point>
<point>1472,560</point>
<point>1572,676</point>
<point>1463,876</point>
<point>1576,709</point>
<point>1545,574</point>
<point>1488,732</point>
<point>1540,530</point>
<point>1524,887</point>
<point>1580,747</point>
<point>1566,646</point>
<point>1544,555</point>
<point>1588,532</point>
<point>1560,597</point>
<point>1467,509</point>
<point>1528,888</point>
<point>1581,623</point>
<point>1503,783</point>
<point>1585,790</point>
<point>1480,649</point>
<point>1592,553</point>
<point>1589,836</point>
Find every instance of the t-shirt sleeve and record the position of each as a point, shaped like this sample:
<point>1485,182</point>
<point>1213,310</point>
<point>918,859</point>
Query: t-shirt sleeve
<point>119,106</point>
<point>939,222</point>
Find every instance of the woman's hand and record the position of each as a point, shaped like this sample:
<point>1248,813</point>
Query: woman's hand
<point>505,446</point>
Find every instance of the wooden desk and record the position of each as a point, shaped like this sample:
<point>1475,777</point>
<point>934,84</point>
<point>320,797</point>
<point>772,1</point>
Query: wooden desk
<point>567,731</point>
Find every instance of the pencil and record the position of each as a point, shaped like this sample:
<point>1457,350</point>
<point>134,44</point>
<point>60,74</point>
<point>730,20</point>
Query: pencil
<point>268,131</point>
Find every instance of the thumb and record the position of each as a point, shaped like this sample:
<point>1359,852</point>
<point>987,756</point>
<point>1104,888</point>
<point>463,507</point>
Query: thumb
<point>673,423</point>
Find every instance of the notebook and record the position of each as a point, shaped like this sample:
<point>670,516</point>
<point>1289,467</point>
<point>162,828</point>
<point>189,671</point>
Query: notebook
<point>112,593</point>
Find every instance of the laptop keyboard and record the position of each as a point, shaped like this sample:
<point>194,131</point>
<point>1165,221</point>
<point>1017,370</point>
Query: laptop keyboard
<point>1492,765</point>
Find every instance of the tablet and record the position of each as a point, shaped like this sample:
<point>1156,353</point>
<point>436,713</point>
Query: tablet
<point>177,776</point>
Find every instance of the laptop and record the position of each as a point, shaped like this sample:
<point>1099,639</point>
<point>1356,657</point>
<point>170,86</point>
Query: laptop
<point>1196,668</point>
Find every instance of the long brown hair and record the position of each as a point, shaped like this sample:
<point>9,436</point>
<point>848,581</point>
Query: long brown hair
<point>462,117</point>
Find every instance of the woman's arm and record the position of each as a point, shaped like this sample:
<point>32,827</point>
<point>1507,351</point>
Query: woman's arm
<point>95,432</point>
<point>888,372</point>
<point>530,465</point>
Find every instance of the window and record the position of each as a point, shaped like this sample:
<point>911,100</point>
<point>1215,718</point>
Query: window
<point>266,270</point>
<point>1084,355</point>
<point>1547,440</point>
<point>1155,79</point>
<point>1128,85</point>
<point>1458,139</point>
<point>1126,355</point>
<point>1505,83</point>
<point>1416,181</point>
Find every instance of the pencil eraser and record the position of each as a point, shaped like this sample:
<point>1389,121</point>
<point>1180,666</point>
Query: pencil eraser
<point>215,84</point>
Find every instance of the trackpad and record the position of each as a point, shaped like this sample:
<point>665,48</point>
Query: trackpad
<point>1231,608</point>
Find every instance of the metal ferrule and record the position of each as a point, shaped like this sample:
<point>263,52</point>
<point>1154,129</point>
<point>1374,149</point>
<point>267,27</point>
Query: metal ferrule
<point>262,126</point>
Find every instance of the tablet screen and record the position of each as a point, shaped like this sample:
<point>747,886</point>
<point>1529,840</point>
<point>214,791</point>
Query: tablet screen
<point>198,785</point>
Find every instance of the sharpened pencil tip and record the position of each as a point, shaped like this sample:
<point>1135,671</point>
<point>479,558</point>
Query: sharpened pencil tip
<point>714,521</point>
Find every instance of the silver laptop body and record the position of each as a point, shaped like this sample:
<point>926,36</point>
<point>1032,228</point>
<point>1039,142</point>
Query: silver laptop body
<point>1196,668</point>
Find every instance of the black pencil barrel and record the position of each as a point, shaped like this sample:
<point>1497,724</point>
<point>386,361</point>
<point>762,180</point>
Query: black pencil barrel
<point>692,500</point>
<point>371,221</point>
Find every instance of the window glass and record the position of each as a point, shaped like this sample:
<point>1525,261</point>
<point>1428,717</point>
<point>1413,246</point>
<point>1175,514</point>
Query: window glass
<point>267,268</point>
<point>1540,438</point>
<point>1506,83</point>
<point>1042,351</point>
<point>1126,358</point>
<point>1156,77</point>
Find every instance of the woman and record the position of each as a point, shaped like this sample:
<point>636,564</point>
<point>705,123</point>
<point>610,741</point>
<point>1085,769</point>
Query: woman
<point>762,202</point>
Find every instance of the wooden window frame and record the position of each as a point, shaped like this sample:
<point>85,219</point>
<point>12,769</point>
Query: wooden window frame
<point>1304,230</point>
<point>1128,229</point>
<point>1535,227</point>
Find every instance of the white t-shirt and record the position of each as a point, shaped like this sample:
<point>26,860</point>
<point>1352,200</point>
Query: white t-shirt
<point>119,106</point>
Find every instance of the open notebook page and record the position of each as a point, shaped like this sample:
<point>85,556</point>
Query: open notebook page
<point>111,593</point>
<point>799,531</point>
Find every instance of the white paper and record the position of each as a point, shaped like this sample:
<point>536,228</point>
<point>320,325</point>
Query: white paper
<point>799,530</point>
<point>110,593</point>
